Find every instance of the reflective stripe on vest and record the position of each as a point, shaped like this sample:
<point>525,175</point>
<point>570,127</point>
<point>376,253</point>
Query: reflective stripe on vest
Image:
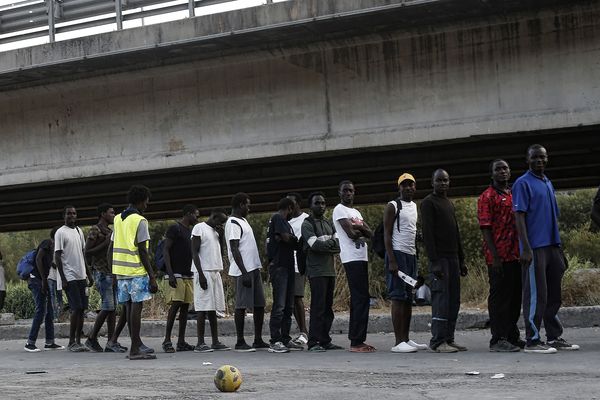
<point>126,257</point>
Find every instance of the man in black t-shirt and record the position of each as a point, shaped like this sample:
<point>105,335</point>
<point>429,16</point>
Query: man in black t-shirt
<point>178,265</point>
<point>281,244</point>
<point>38,284</point>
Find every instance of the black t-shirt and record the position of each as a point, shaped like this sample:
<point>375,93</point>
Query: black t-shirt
<point>180,252</point>
<point>279,252</point>
<point>48,247</point>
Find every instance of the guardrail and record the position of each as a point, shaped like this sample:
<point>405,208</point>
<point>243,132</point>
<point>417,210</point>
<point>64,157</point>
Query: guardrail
<point>29,19</point>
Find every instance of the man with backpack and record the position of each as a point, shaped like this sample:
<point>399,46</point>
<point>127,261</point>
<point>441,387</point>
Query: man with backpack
<point>178,265</point>
<point>400,232</point>
<point>69,245</point>
<point>38,284</point>
<point>322,244</point>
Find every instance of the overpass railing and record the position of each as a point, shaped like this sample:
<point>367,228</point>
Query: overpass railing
<point>27,19</point>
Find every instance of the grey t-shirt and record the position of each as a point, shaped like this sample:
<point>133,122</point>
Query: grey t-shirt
<point>71,242</point>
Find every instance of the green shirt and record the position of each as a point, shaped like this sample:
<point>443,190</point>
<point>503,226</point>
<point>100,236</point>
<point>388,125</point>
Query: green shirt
<point>322,245</point>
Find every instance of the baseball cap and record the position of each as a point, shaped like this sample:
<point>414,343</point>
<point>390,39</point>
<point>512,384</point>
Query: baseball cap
<point>404,177</point>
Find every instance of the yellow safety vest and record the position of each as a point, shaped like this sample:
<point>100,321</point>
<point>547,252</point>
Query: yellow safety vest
<point>126,257</point>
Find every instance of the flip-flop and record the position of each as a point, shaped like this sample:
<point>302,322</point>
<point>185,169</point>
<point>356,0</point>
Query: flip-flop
<point>168,347</point>
<point>141,356</point>
<point>363,348</point>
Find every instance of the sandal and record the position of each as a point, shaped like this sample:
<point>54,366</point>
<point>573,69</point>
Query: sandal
<point>168,347</point>
<point>362,348</point>
<point>141,356</point>
<point>185,347</point>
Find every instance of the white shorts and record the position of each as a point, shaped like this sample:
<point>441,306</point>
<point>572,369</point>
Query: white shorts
<point>213,298</point>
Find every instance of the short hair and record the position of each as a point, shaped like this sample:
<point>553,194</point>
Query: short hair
<point>345,182</point>
<point>137,194</point>
<point>494,162</point>
<point>104,207</point>
<point>314,194</point>
<point>238,199</point>
<point>53,231</point>
<point>535,146</point>
<point>297,197</point>
<point>285,204</point>
<point>217,211</point>
<point>189,209</point>
<point>65,208</point>
<point>436,171</point>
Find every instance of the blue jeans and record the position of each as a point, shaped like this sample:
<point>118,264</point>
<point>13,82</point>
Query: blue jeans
<point>282,281</point>
<point>43,312</point>
<point>55,298</point>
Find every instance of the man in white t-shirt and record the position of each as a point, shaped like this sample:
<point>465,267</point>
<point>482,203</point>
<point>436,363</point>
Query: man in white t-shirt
<point>353,232</point>
<point>245,267</point>
<point>69,246</point>
<point>207,264</point>
<point>400,232</point>
<point>298,218</point>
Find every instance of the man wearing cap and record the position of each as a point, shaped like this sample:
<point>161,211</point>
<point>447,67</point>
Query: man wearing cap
<point>400,231</point>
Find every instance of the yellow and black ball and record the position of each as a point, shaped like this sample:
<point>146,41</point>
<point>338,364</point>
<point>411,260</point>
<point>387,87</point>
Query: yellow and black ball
<point>228,378</point>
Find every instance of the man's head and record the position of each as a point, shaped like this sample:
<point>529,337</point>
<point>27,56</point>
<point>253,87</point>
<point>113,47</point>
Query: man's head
<point>217,218</point>
<point>298,203</point>
<point>139,197</point>
<point>106,213</point>
<point>440,180</point>
<point>407,186</point>
<point>286,207</point>
<point>346,192</point>
<point>500,171</point>
<point>70,215</point>
<point>190,214</point>
<point>316,202</point>
<point>537,158</point>
<point>240,204</point>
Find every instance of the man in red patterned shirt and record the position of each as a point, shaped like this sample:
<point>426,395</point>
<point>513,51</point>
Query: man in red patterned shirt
<point>501,249</point>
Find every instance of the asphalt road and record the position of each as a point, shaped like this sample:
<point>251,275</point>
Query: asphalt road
<point>303,375</point>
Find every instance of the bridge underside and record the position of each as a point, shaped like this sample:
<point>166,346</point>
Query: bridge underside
<point>574,163</point>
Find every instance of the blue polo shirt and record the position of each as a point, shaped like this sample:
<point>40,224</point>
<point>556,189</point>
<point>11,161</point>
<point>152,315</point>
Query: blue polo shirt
<point>535,197</point>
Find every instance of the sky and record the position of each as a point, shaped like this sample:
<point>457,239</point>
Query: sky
<point>204,10</point>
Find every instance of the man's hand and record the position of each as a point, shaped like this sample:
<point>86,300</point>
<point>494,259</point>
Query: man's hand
<point>392,265</point>
<point>463,269</point>
<point>90,281</point>
<point>44,287</point>
<point>526,258</point>
<point>565,260</point>
<point>203,282</point>
<point>496,266</point>
<point>65,283</point>
<point>153,285</point>
<point>172,281</point>
<point>436,270</point>
<point>246,281</point>
<point>360,242</point>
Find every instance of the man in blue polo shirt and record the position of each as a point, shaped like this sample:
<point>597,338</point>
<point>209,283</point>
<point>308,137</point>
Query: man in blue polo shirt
<point>542,258</point>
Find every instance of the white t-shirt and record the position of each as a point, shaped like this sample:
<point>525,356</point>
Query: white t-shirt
<point>54,275</point>
<point>210,248</point>
<point>404,240</point>
<point>240,229</point>
<point>71,242</point>
<point>296,224</point>
<point>348,250</point>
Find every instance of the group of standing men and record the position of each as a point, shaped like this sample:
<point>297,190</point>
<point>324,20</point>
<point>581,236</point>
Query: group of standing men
<point>521,244</point>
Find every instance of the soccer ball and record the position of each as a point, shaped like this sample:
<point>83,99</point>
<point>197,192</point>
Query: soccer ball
<point>228,378</point>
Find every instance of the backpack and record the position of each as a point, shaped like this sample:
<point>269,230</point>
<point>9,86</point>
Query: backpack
<point>26,264</point>
<point>378,243</point>
<point>159,256</point>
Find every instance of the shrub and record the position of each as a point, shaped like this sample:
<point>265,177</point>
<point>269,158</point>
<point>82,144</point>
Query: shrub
<point>19,300</point>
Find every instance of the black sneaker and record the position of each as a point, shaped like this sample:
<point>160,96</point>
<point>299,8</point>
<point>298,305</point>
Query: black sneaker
<point>93,345</point>
<point>218,346</point>
<point>457,346</point>
<point>244,348</point>
<point>539,348</point>
<point>317,348</point>
<point>520,343</point>
<point>292,346</point>
<point>503,346</point>
<point>32,348</point>
<point>114,348</point>
<point>53,346</point>
<point>261,345</point>
<point>562,344</point>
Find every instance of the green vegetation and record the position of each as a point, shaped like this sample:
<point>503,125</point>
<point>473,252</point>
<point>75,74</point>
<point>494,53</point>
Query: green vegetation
<point>581,244</point>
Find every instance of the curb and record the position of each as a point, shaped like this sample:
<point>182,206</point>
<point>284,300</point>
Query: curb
<point>571,317</point>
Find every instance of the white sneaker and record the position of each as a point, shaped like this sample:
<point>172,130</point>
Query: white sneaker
<point>302,339</point>
<point>417,345</point>
<point>403,347</point>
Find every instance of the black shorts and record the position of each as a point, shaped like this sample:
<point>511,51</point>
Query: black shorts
<point>254,296</point>
<point>78,301</point>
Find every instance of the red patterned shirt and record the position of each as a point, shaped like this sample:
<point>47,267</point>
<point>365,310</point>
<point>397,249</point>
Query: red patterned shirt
<point>494,211</point>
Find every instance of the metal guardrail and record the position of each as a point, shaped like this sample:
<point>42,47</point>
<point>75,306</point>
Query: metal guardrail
<point>23,17</point>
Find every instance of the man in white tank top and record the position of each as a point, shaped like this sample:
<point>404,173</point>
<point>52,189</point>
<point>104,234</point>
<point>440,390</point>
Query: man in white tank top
<point>400,230</point>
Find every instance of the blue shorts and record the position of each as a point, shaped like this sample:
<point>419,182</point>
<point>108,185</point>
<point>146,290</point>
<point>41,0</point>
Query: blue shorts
<point>397,288</point>
<point>135,289</point>
<point>104,284</point>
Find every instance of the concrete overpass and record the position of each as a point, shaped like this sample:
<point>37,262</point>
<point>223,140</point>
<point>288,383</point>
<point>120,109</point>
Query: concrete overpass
<point>296,96</point>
